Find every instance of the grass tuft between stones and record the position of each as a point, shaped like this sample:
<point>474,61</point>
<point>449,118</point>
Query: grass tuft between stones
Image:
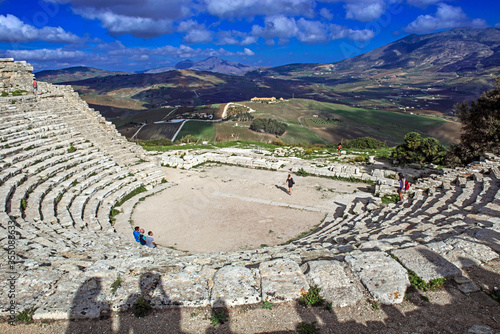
<point>26,316</point>
<point>218,317</point>
<point>116,284</point>
<point>312,297</point>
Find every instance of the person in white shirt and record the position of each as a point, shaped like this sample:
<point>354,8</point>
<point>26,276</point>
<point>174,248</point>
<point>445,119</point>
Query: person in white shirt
<point>150,241</point>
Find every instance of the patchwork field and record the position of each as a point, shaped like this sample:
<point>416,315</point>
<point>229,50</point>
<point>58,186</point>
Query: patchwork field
<point>309,121</point>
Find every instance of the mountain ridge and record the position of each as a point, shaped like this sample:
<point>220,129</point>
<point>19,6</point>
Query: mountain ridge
<point>210,64</point>
<point>75,73</point>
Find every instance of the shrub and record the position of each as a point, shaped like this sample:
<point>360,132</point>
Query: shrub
<point>278,142</point>
<point>4,94</point>
<point>481,126</point>
<point>268,125</point>
<point>309,151</point>
<point>302,172</point>
<point>364,143</point>
<point>420,150</point>
<point>188,139</point>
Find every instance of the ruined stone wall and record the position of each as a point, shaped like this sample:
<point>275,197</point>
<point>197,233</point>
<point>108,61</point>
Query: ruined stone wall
<point>15,75</point>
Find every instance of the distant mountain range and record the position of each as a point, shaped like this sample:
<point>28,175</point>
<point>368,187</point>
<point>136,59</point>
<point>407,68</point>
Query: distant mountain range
<point>74,74</point>
<point>456,50</point>
<point>418,73</point>
<point>211,64</point>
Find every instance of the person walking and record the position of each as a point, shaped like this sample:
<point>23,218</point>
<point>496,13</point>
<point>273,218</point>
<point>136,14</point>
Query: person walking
<point>290,182</point>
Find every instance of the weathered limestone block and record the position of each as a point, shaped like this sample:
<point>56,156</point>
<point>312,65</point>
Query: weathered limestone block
<point>186,289</point>
<point>463,252</point>
<point>234,285</point>
<point>86,302</point>
<point>282,280</point>
<point>426,263</point>
<point>336,286</point>
<point>384,277</point>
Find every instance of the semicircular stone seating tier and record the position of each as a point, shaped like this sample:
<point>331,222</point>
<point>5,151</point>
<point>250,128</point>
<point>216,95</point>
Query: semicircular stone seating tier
<point>64,167</point>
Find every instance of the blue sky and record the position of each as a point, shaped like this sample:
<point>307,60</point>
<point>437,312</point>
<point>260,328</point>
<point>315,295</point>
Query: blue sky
<point>133,35</point>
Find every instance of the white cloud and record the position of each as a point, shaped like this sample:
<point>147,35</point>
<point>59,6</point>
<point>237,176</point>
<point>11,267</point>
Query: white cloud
<point>339,32</point>
<point>276,26</point>
<point>249,40</point>
<point>365,11</point>
<point>246,52</point>
<point>181,52</point>
<point>360,35</point>
<point>46,54</point>
<point>324,12</point>
<point>306,31</point>
<point>154,9</point>
<point>248,8</point>
<point>311,31</point>
<point>13,30</point>
<point>118,24</point>
<point>446,17</point>
<point>195,32</point>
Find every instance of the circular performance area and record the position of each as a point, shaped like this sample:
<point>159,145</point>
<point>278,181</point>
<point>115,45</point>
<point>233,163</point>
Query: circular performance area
<point>227,208</point>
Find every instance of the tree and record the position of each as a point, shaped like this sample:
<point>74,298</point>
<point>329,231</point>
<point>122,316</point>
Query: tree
<point>413,140</point>
<point>418,149</point>
<point>481,125</point>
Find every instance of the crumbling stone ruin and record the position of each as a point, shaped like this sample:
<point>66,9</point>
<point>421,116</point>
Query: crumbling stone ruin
<point>64,167</point>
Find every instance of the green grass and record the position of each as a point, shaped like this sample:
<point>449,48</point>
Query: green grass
<point>198,129</point>
<point>388,199</point>
<point>26,316</point>
<point>296,134</point>
<point>218,317</point>
<point>312,297</point>
<point>116,284</point>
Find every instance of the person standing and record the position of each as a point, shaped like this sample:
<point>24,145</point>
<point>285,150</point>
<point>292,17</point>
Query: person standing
<point>35,86</point>
<point>339,148</point>
<point>401,187</point>
<point>290,182</point>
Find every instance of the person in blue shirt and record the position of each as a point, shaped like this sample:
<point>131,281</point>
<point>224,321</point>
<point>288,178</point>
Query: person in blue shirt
<point>136,233</point>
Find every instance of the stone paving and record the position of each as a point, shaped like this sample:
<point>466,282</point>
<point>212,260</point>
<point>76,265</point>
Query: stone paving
<point>66,254</point>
